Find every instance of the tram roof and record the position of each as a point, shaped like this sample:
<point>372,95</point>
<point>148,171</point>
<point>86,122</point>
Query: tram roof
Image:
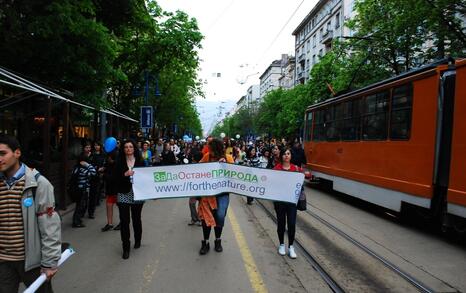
<point>9,78</point>
<point>388,80</point>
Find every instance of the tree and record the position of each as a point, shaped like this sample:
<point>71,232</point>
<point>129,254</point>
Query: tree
<point>397,32</point>
<point>58,42</point>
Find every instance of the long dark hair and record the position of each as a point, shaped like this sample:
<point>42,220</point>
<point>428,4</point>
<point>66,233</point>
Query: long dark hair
<point>216,148</point>
<point>137,153</point>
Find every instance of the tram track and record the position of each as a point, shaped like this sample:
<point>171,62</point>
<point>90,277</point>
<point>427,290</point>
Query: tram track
<point>327,277</point>
<point>333,284</point>
<point>416,283</point>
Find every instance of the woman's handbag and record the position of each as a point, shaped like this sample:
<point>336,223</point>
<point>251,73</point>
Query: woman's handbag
<point>302,202</point>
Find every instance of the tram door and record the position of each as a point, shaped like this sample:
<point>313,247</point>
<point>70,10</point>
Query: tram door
<point>456,197</point>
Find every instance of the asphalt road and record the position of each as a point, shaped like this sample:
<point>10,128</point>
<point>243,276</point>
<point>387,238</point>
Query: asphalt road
<point>169,260</point>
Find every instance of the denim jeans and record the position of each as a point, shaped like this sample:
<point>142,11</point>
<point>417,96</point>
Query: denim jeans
<point>223,200</point>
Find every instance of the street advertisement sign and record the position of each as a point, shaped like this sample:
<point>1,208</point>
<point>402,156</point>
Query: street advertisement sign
<point>147,117</point>
<point>206,179</point>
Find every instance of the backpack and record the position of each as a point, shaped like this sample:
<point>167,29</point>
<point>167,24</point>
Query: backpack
<point>72,187</point>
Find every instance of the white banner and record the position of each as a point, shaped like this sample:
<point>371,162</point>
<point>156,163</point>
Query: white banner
<point>207,179</point>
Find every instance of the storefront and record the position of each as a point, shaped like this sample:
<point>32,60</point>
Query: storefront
<point>52,128</point>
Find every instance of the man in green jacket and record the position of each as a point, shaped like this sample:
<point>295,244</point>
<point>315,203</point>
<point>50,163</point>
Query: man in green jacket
<point>30,228</point>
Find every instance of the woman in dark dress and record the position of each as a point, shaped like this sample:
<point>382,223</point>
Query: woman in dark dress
<point>129,158</point>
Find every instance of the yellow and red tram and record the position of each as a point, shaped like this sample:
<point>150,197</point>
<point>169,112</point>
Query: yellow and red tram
<point>398,141</point>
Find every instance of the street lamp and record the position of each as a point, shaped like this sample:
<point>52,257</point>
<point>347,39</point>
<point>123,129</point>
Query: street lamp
<point>238,136</point>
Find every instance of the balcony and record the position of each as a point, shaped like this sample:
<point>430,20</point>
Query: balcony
<point>327,37</point>
<point>301,77</point>
<point>301,57</point>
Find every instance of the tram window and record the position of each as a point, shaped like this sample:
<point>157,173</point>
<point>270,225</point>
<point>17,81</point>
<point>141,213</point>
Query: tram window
<point>308,128</point>
<point>319,126</point>
<point>400,120</point>
<point>331,128</point>
<point>374,123</point>
<point>350,121</point>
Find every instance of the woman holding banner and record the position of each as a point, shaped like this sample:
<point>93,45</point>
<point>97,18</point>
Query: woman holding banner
<point>129,158</point>
<point>212,210</point>
<point>286,212</point>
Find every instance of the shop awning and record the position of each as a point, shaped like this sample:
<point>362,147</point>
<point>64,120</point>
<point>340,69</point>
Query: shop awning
<point>14,80</point>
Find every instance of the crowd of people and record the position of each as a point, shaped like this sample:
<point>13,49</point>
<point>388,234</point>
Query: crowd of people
<point>108,175</point>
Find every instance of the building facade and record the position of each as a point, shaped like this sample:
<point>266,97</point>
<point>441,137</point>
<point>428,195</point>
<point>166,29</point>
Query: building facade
<point>314,35</point>
<point>287,79</point>
<point>253,95</point>
<point>269,80</point>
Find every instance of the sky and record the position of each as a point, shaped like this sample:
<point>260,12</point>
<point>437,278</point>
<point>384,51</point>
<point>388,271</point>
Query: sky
<point>241,39</point>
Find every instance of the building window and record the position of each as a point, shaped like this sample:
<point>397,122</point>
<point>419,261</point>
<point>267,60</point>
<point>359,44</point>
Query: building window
<point>314,41</point>
<point>329,26</point>
<point>337,20</point>
<point>320,53</point>
<point>313,59</point>
<point>308,45</point>
<point>321,33</point>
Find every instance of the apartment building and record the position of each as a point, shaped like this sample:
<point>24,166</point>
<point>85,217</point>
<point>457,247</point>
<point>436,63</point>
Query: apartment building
<point>314,35</point>
<point>286,81</point>
<point>269,79</point>
<point>253,95</point>
<point>279,74</point>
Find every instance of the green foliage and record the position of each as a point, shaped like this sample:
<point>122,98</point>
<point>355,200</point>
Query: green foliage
<point>396,32</point>
<point>58,42</point>
<point>101,50</point>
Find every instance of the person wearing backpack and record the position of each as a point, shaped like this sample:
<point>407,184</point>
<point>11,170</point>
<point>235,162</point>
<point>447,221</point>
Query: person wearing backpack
<point>30,233</point>
<point>83,171</point>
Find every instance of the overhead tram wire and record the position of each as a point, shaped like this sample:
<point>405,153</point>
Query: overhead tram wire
<point>220,15</point>
<point>281,30</point>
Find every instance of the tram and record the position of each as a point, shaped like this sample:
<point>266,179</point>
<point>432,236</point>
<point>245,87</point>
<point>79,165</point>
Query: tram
<point>398,143</point>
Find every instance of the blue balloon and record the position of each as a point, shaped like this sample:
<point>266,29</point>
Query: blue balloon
<point>110,144</point>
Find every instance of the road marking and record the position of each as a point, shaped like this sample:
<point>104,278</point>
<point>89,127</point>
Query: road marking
<point>253,273</point>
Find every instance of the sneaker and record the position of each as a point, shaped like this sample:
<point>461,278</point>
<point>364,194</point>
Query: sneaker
<point>281,249</point>
<point>291,252</point>
<point>199,223</point>
<point>117,227</point>
<point>191,223</point>
<point>107,227</point>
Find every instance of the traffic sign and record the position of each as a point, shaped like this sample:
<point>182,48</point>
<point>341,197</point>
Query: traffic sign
<point>147,117</point>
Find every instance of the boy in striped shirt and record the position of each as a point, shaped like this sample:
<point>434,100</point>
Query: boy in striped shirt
<point>29,225</point>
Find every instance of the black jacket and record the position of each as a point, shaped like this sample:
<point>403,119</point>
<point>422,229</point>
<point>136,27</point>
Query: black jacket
<point>123,183</point>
